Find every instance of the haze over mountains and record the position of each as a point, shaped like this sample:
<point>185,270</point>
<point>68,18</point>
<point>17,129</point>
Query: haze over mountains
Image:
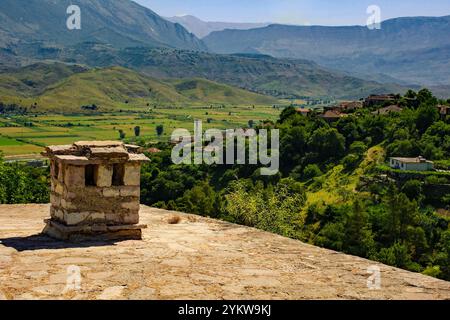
<point>278,60</point>
<point>412,50</point>
<point>203,28</point>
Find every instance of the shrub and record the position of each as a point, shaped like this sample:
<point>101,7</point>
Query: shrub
<point>351,161</point>
<point>413,189</point>
<point>311,171</point>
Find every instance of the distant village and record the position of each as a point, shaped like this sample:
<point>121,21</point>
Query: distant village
<point>384,104</point>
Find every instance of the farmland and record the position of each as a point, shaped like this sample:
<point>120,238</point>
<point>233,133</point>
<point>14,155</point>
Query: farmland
<point>28,134</point>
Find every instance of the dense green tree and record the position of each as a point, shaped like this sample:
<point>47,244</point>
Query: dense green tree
<point>137,131</point>
<point>201,200</point>
<point>425,96</point>
<point>426,116</point>
<point>413,189</point>
<point>327,143</point>
<point>401,212</point>
<point>311,171</point>
<point>160,130</point>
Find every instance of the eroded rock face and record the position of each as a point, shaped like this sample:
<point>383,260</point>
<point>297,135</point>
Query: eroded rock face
<point>95,185</point>
<point>198,258</point>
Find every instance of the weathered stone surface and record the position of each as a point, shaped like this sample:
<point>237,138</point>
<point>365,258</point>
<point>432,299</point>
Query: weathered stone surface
<point>131,218</point>
<point>57,213</point>
<point>132,175</point>
<point>138,158</point>
<point>72,160</point>
<point>132,206</point>
<point>60,150</point>
<point>55,199</point>
<point>109,153</point>
<point>199,258</point>
<point>83,232</point>
<point>58,187</point>
<point>103,175</point>
<point>68,205</point>
<point>130,191</point>
<point>83,218</point>
<point>74,176</point>
<point>73,219</point>
<point>98,144</point>
<point>111,192</point>
<point>94,183</point>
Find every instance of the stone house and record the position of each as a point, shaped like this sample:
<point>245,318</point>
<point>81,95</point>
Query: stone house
<point>95,190</point>
<point>374,100</point>
<point>411,164</point>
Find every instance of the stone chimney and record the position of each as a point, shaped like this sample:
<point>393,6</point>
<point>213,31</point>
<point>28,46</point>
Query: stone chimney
<point>95,191</point>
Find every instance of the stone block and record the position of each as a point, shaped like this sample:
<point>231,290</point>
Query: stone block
<point>103,175</point>
<point>76,218</point>
<point>59,188</point>
<point>74,176</point>
<point>90,192</point>
<point>55,199</point>
<point>60,171</point>
<point>131,218</point>
<point>130,191</point>
<point>111,192</point>
<point>71,195</point>
<point>97,216</point>
<point>66,204</point>
<point>57,214</point>
<point>132,175</point>
<point>132,206</point>
<point>113,218</point>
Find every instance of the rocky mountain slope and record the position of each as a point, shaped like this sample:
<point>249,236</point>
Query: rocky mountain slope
<point>415,50</point>
<point>120,23</point>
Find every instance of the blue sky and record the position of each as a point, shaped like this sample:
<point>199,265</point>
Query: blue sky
<point>315,12</point>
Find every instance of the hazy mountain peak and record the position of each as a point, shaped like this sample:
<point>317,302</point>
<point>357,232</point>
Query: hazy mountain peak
<point>121,23</point>
<point>412,49</point>
<point>203,28</point>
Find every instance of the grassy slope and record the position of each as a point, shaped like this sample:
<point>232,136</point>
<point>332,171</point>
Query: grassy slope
<point>338,186</point>
<point>113,88</point>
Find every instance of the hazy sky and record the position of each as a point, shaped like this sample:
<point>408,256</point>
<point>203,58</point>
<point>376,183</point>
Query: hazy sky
<point>322,12</point>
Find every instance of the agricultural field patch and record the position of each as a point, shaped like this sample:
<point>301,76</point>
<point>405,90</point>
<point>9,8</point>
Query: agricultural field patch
<point>18,138</point>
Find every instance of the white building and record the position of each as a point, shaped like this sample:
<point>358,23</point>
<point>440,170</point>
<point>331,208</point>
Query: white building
<point>411,164</point>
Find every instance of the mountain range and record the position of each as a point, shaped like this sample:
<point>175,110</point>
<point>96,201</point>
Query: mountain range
<point>280,78</point>
<point>276,60</point>
<point>412,50</point>
<point>203,28</point>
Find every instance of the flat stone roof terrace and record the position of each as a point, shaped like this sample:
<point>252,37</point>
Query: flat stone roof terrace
<point>198,258</point>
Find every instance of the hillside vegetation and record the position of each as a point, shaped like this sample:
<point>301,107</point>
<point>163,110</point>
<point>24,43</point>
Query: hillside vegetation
<point>56,87</point>
<point>332,189</point>
<point>281,78</point>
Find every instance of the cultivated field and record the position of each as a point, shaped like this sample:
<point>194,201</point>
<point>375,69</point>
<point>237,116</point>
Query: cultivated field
<point>27,135</point>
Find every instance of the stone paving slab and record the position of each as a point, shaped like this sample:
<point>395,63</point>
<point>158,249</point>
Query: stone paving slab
<point>198,258</point>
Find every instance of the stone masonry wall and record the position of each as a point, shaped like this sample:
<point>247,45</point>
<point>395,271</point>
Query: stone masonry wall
<point>75,204</point>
